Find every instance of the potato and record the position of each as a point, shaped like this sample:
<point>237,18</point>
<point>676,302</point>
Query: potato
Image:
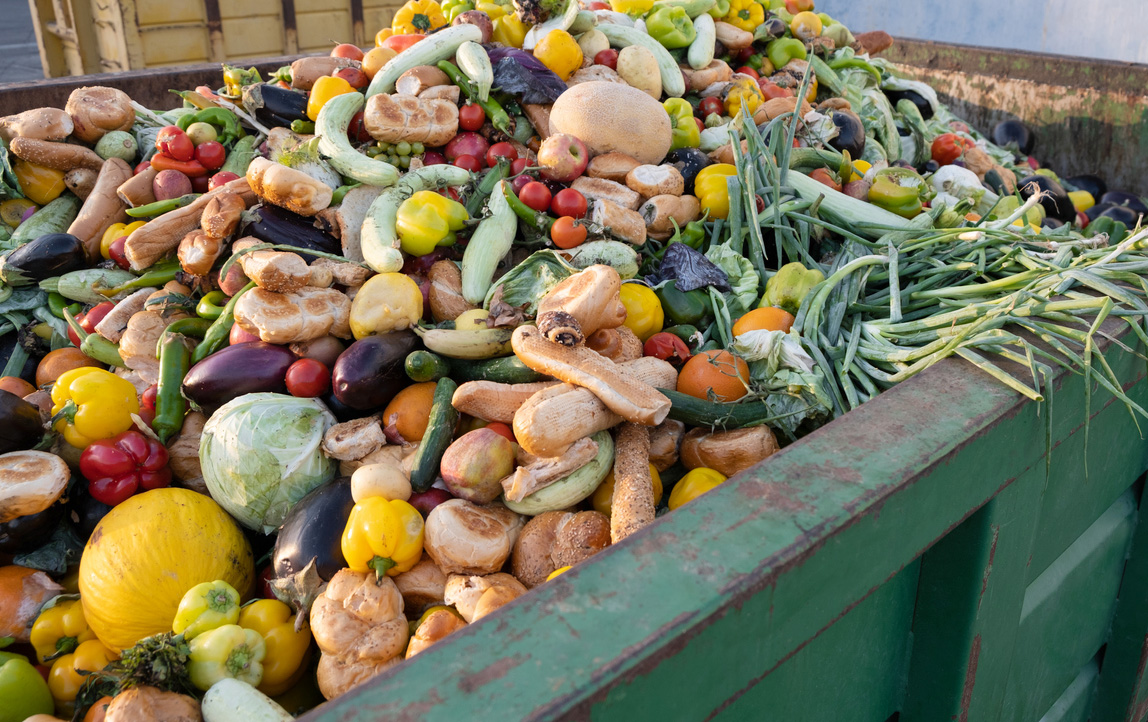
<point>385,480</point>
<point>639,68</point>
<point>593,42</point>
<point>170,184</point>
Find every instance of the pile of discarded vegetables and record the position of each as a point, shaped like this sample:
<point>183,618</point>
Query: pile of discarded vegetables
<point>315,370</point>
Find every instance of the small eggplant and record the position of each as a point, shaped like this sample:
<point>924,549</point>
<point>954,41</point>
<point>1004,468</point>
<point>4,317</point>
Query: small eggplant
<point>274,105</point>
<point>26,533</point>
<point>276,225</point>
<point>1051,223</point>
<point>313,530</point>
<point>1132,202</point>
<point>50,255</point>
<point>688,161</point>
<point>1094,212</point>
<point>1088,182</point>
<point>21,427</point>
<point>1055,199</point>
<point>1016,133</point>
<point>850,136</point>
<point>244,368</point>
<point>916,98</point>
<point>1124,214</point>
<point>84,512</point>
<point>370,372</point>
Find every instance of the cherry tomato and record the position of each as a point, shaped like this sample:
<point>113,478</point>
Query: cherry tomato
<point>700,123</point>
<point>568,202</point>
<point>117,253</point>
<point>220,179</point>
<point>308,378</point>
<point>471,117</point>
<point>502,429</point>
<point>746,70</point>
<point>142,167</point>
<point>771,90</point>
<point>710,106</point>
<point>468,162</point>
<point>356,131</point>
<point>607,57</point>
<point>667,347</point>
<point>948,147</point>
<point>174,142</point>
<point>566,233</point>
<point>147,403</point>
<point>536,196</point>
<point>598,5</point>
<point>500,150</point>
<point>519,166</point>
<point>433,157</point>
<point>347,50</point>
<point>357,78</point>
<point>211,154</point>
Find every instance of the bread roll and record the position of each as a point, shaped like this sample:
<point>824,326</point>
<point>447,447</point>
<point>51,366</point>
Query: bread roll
<point>288,188</point>
<point>395,118</point>
<point>306,314</point>
<point>465,538</point>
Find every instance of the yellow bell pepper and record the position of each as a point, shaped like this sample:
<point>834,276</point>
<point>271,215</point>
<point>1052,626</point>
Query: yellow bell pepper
<point>386,536</point>
<point>604,495</point>
<point>745,14</point>
<point>712,190</point>
<point>114,233</point>
<point>743,89</point>
<point>559,51</point>
<point>508,29</point>
<point>694,484</point>
<point>633,8</point>
<point>427,220</point>
<point>59,630</point>
<point>386,302</point>
<point>382,35</point>
<point>89,404</point>
<point>206,606</point>
<point>558,572</point>
<point>324,89</point>
<point>41,185</point>
<point>287,649</point>
<point>69,672</point>
<point>644,314</point>
<point>418,16</point>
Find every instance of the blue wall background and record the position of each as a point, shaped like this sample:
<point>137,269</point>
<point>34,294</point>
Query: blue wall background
<point>1110,29</point>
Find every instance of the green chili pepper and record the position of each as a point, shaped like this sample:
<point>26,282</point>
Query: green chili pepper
<point>856,63</point>
<point>341,192</point>
<point>495,112</point>
<point>209,306</point>
<point>222,118</point>
<point>782,50</point>
<point>93,344</point>
<point>790,285</point>
<point>57,304</point>
<point>216,335</point>
<point>157,275</point>
<point>683,307</point>
<point>755,61</point>
<point>302,127</point>
<point>174,363</point>
<point>531,217</point>
<point>194,327</point>
<point>486,186</point>
<point>1115,229</point>
<point>155,209</point>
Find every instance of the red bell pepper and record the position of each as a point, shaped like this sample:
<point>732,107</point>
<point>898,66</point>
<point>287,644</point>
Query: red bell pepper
<point>120,466</point>
<point>948,147</point>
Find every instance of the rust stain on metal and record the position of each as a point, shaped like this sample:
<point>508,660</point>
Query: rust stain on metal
<point>469,683</point>
<point>989,567</point>
<point>1138,713</point>
<point>413,712</point>
<point>970,678</point>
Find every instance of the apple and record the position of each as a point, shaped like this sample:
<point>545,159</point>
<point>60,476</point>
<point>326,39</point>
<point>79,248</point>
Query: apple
<point>563,157</point>
<point>427,500</point>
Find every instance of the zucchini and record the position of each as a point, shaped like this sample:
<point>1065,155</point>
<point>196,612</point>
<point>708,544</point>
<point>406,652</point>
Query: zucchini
<point>422,366</point>
<point>673,84</point>
<point>620,256</point>
<point>490,242</point>
<point>428,51</point>
<point>558,21</point>
<point>569,490</point>
<point>229,700</point>
<point>379,238</point>
<point>55,217</point>
<point>440,430</point>
<point>694,8</point>
<point>507,370</point>
<point>473,60</point>
<point>695,412</point>
<point>701,51</point>
<point>81,285</point>
<point>240,156</point>
<point>331,128</point>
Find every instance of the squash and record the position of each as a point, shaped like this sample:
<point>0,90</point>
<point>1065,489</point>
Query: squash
<point>147,552</point>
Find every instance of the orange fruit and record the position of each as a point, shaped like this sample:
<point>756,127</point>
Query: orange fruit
<point>16,385</point>
<point>98,711</point>
<point>769,318</point>
<point>409,411</point>
<point>57,362</point>
<point>718,371</point>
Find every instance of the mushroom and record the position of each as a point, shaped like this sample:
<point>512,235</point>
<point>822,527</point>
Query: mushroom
<point>97,110</point>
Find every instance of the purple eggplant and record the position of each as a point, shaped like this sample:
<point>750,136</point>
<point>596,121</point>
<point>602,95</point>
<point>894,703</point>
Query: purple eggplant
<point>244,368</point>
<point>370,372</point>
<point>313,530</point>
<point>276,225</point>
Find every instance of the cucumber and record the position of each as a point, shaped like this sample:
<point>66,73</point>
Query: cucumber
<point>701,51</point>
<point>240,156</point>
<point>694,8</point>
<point>673,84</point>
<point>424,366</point>
<point>473,60</point>
<point>331,128</point>
<point>379,238</point>
<point>713,415</point>
<point>55,217</point>
<point>229,700</point>
<point>507,370</point>
<point>620,256</point>
<point>489,243</point>
<point>440,429</point>
<point>428,51</point>
<point>570,490</point>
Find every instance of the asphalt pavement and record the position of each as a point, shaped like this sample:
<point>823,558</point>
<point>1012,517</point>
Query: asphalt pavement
<point>19,55</point>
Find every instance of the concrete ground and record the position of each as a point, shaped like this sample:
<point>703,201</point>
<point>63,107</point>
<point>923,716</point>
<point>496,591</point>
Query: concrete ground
<point>18,52</point>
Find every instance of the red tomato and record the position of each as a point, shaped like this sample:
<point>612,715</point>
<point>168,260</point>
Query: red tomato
<point>502,429</point>
<point>771,90</point>
<point>346,50</point>
<point>356,131</point>
<point>607,57</point>
<point>568,202</point>
<point>357,78</point>
<point>265,578</point>
<point>667,347</point>
<point>948,147</point>
<point>117,253</point>
<point>500,150</point>
<point>566,233</point>
<point>519,166</point>
<point>468,162</point>
<point>597,5</point>
<point>798,6</point>
<point>174,142</point>
<point>536,196</point>
<point>820,175</point>
<point>399,43</point>
<point>95,315</point>
<point>746,70</point>
<point>142,167</point>
<point>701,123</point>
<point>710,106</point>
<point>744,55</point>
<point>220,178</point>
<point>1082,220</point>
<point>471,117</point>
<point>147,403</point>
<point>308,378</point>
<point>211,155</point>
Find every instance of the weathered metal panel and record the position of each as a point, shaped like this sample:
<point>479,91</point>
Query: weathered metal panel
<point>1076,701</point>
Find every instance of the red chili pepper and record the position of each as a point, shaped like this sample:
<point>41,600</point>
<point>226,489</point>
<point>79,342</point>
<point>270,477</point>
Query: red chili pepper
<point>118,467</point>
<point>190,168</point>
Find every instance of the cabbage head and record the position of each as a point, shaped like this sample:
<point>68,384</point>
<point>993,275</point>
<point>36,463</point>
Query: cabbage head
<point>260,455</point>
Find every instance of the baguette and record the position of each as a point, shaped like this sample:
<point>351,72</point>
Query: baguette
<point>632,506</point>
<point>491,401</point>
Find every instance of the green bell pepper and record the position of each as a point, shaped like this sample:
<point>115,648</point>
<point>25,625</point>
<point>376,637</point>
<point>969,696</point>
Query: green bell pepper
<point>686,133</point>
<point>720,10</point>
<point>782,50</point>
<point>1115,229</point>
<point>898,190</point>
<point>451,9</point>
<point>227,651</point>
<point>683,308</point>
<point>671,26</point>
<point>222,118</point>
<point>789,287</point>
